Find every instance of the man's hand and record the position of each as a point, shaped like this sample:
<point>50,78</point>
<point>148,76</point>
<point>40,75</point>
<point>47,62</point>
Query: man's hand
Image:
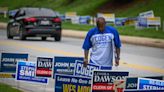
<point>117,62</point>
<point>85,62</point>
<point>117,56</point>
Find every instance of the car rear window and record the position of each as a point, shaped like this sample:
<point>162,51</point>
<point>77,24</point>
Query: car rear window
<point>39,12</point>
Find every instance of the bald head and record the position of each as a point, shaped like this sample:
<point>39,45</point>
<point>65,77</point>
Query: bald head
<point>101,23</point>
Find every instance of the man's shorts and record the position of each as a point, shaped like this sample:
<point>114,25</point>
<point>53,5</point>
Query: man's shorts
<point>102,67</point>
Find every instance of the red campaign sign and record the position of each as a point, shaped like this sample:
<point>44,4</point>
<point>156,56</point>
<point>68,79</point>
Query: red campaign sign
<point>120,89</point>
<point>103,80</point>
<point>42,71</point>
<point>103,86</point>
<point>44,67</point>
<point>119,85</point>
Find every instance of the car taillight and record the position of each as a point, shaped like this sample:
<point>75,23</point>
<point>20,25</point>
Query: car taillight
<point>30,20</point>
<point>56,20</point>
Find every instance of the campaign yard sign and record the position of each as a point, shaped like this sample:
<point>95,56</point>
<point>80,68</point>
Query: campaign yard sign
<point>109,17</point>
<point>103,80</point>
<point>69,83</point>
<point>80,70</point>
<point>7,75</point>
<point>143,90</point>
<point>9,61</point>
<point>26,72</point>
<point>150,84</point>
<point>84,19</point>
<point>147,14</point>
<point>144,84</point>
<point>65,65</point>
<point>119,85</point>
<point>120,21</point>
<point>44,67</point>
<point>142,22</point>
<point>131,83</point>
<point>155,77</point>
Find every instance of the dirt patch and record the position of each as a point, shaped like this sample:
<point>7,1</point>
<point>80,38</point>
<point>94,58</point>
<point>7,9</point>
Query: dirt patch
<point>115,5</point>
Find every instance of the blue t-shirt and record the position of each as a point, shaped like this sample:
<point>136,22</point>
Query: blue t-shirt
<point>102,45</point>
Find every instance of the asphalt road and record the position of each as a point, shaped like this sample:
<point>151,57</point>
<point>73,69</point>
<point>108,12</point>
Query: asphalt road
<point>138,60</point>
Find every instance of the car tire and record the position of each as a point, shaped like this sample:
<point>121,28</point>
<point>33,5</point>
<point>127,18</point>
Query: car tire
<point>44,38</point>
<point>21,33</point>
<point>8,32</point>
<point>57,37</point>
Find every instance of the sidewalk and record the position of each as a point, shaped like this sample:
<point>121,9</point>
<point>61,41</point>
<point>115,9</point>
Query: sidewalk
<point>125,39</point>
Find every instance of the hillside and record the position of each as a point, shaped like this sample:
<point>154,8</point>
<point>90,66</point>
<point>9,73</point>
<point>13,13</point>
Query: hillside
<point>122,8</point>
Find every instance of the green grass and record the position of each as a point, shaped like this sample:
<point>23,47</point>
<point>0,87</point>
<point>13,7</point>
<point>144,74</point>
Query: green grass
<point>82,7</point>
<point>124,30</point>
<point>7,88</point>
<point>147,32</point>
<point>88,7</point>
<point>2,19</point>
<point>155,5</point>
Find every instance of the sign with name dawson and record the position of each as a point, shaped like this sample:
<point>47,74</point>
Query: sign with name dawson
<point>9,61</point>
<point>103,80</point>
<point>44,67</point>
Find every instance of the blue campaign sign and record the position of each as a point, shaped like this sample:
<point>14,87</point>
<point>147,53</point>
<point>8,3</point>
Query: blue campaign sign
<point>65,65</point>
<point>69,83</point>
<point>143,90</point>
<point>120,21</point>
<point>80,70</point>
<point>84,19</point>
<point>131,83</point>
<point>135,83</point>
<point>26,72</point>
<point>142,22</point>
<point>155,77</point>
<point>150,84</point>
<point>9,61</point>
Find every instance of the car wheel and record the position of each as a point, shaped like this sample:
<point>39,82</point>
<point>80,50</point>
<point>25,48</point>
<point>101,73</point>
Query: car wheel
<point>44,38</point>
<point>57,37</point>
<point>8,32</point>
<point>21,34</point>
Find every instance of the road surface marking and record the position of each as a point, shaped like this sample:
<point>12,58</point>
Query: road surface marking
<point>43,49</point>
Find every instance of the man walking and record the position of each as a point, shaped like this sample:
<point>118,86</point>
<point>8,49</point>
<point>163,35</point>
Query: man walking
<point>102,41</point>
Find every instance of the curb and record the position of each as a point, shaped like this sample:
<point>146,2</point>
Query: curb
<point>3,25</point>
<point>159,43</point>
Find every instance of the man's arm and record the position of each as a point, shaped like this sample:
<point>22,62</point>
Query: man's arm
<point>117,56</point>
<point>86,52</point>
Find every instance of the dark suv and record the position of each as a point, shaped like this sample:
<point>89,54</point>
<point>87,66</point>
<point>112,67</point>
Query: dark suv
<point>31,22</point>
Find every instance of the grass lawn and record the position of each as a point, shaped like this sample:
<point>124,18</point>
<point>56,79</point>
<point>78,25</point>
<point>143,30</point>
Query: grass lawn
<point>2,19</point>
<point>7,88</point>
<point>124,30</point>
